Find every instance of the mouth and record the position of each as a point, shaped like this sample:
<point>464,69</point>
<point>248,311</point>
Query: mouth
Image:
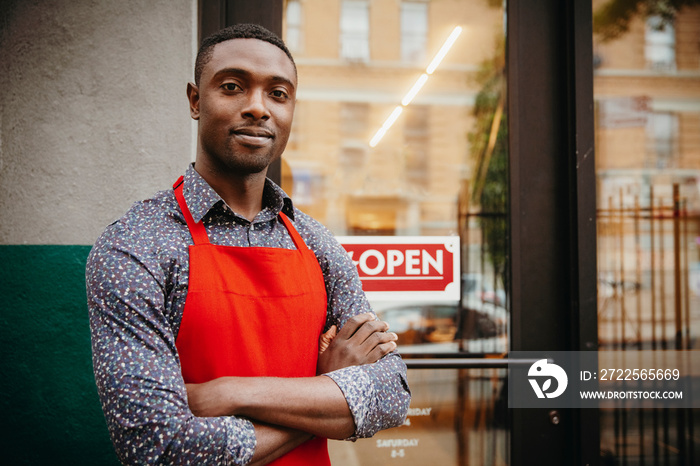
<point>253,136</point>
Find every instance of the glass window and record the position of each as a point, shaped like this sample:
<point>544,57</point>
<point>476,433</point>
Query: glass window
<point>416,140</point>
<point>354,121</point>
<point>438,169</point>
<point>662,137</point>
<point>293,26</point>
<point>648,167</point>
<point>414,31</point>
<point>660,44</point>
<point>354,30</point>
<point>648,174</point>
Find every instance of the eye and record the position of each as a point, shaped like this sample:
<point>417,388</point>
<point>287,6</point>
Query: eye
<point>279,94</point>
<point>230,86</point>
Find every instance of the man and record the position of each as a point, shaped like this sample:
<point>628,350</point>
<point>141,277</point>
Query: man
<point>208,302</point>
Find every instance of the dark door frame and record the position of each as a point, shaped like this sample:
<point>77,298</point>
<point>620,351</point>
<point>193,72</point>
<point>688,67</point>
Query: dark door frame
<point>552,212</point>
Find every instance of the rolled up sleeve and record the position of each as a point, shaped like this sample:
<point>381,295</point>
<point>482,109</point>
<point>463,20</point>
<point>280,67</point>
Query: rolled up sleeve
<point>377,394</point>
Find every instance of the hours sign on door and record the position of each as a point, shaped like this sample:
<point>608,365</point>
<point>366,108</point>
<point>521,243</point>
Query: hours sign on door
<point>406,267</point>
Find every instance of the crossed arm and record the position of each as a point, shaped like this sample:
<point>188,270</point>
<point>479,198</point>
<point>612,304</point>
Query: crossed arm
<point>288,411</point>
<point>148,408</point>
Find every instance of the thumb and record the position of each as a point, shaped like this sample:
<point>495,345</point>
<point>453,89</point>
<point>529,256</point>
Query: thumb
<point>326,339</point>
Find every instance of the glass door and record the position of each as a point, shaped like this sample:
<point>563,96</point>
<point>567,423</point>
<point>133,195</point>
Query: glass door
<point>400,138</point>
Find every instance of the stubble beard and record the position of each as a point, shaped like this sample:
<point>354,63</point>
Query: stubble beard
<point>247,163</point>
<point>242,161</point>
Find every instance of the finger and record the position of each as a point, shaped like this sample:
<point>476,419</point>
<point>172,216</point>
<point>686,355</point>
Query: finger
<point>354,323</point>
<point>380,351</point>
<point>326,339</point>
<point>376,339</point>
<point>368,329</point>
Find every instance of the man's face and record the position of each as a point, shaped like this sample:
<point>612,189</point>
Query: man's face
<point>244,104</point>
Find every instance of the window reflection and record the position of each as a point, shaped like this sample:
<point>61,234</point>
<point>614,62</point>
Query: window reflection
<point>647,95</point>
<point>659,44</point>
<point>438,170</point>
<point>648,166</point>
<point>416,140</point>
<point>662,137</point>
<point>414,31</point>
<point>293,22</point>
<point>457,418</point>
<point>354,30</point>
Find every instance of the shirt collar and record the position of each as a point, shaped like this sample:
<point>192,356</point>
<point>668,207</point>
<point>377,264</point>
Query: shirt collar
<point>201,198</point>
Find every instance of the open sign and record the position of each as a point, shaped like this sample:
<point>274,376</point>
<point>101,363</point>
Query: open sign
<point>406,267</point>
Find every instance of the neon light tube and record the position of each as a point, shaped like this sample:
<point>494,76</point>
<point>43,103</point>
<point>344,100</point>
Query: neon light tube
<point>414,90</point>
<point>449,42</point>
<point>387,124</point>
<point>443,50</point>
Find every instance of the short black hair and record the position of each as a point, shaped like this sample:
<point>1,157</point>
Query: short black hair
<point>237,31</point>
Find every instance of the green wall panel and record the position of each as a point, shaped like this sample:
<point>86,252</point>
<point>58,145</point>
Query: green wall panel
<point>50,409</point>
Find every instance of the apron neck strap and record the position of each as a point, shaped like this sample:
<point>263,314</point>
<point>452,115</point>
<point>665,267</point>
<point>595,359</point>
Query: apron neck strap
<point>199,233</point>
<point>197,230</point>
<point>296,237</point>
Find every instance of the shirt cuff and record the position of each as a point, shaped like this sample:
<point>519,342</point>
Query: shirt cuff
<point>357,388</point>
<point>240,444</point>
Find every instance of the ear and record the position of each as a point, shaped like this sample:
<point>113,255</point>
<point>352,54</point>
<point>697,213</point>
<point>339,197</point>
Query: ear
<point>193,97</point>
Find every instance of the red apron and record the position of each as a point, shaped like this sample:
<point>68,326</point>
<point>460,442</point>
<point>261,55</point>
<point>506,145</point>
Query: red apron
<point>252,311</point>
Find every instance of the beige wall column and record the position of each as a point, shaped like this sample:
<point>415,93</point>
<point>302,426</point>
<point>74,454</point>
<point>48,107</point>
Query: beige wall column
<point>93,114</point>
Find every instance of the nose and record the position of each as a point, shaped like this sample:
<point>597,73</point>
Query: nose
<point>255,106</point>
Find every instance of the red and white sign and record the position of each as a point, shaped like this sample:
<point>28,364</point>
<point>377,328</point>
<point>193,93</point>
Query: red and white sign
<point>406,267</point>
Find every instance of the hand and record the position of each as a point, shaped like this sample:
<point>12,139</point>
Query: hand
<point>363,340</point>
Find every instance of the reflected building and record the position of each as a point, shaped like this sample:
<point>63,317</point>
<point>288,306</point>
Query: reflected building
<point>356,64</point>
<point>647,149</point>
<point>647,96</point>
<point>358,59</point>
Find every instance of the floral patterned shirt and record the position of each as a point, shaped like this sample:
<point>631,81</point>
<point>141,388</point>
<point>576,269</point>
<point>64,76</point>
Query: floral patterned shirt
<point>137,276</point>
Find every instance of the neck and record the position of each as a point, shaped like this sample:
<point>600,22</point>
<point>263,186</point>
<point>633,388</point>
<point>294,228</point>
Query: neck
<point>242,193</point>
